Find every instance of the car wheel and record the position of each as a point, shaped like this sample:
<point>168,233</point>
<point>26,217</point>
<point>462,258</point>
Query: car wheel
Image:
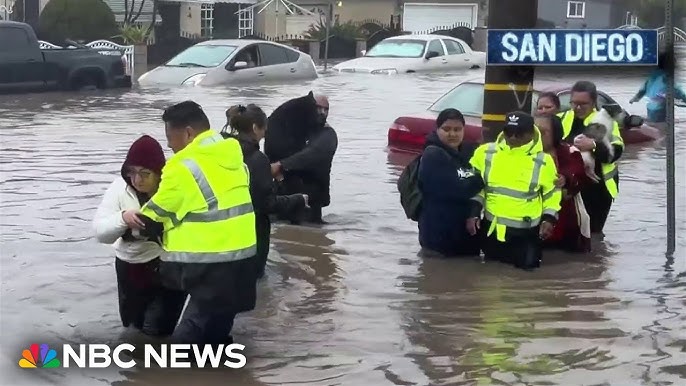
<point>86,81</point>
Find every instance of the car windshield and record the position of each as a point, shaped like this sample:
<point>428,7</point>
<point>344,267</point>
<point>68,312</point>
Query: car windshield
<point>397,48</point>
<point>469,99</point>
<point>202,56</point>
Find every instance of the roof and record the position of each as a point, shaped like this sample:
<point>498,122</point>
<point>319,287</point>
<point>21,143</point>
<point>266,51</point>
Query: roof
<point>236,42</point>
<point>421,37</point>
<point>542,85</point>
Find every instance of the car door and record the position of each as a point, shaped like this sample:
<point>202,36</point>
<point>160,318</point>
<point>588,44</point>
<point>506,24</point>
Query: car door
<point>436,63</point>
<point>276,63</point>
<point>21,63</point>
<point>457,57</point>
<point>254,71</point>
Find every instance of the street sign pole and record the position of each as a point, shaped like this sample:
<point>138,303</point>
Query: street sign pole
<point>670,156</point>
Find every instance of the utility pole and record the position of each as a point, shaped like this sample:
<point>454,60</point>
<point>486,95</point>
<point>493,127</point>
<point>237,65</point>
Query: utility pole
<point>669,130</point>
<point>329,20</point>
<point>507,88</point>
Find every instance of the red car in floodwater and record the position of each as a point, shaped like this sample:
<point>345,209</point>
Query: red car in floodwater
<point>407,134</point>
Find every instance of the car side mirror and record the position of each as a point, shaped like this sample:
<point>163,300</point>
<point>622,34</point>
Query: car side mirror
<point>432,54</point>
<point>238,66</point>
<point>633,121</point>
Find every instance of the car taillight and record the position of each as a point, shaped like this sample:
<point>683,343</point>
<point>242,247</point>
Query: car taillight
<point>400,136</point>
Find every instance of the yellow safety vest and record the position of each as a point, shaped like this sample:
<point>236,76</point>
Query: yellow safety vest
<point>204,203</point>
<point>519,184</point>
<point>609,170</point>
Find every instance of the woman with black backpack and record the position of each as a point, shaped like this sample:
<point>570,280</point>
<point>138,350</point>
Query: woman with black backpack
<point>447,183</point>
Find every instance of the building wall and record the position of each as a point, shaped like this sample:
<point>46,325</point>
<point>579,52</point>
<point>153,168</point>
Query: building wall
<point>599,14</point>
<point>351,10</point>
<point>189,18</point>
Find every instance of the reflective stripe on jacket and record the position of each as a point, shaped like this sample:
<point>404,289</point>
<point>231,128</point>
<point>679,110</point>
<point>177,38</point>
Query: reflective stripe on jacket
<point>520,184</point>
<point>204,203</point>
<point>609,170</point>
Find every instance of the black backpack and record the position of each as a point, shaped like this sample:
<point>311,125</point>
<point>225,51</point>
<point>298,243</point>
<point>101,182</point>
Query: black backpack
<point>408,187</point>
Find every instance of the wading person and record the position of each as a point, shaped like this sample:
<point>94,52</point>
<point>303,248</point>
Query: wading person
<point>598,197</point>
<point>204,204</point>
<point>248,125</point>
<point>573,229</point>
<point>655,89</point>
<point>143,301</point>
<point>520,201</point>
<point>447,183</point>
<point>312,164</point>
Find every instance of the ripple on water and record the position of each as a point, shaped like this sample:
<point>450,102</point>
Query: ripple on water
<point>350,303</point>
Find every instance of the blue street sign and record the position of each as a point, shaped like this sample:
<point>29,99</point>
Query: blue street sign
<point>566,47</point>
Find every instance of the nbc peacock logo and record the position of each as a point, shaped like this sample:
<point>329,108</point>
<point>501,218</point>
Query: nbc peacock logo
<point>48,357</point>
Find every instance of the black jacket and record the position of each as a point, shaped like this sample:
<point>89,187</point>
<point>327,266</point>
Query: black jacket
<point>447,183</point>
<point>264,198</point>
<point>312,165</point>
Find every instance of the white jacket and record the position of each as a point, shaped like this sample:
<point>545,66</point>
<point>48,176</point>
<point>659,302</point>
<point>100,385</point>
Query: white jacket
<point>110,226</point>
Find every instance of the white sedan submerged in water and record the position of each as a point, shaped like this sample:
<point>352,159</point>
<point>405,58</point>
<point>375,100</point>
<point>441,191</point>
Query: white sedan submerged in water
<point>415,53</point>
<point>226,62</point>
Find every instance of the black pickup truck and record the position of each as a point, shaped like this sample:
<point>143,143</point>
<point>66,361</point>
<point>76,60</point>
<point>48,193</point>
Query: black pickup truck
<point>24,66</point>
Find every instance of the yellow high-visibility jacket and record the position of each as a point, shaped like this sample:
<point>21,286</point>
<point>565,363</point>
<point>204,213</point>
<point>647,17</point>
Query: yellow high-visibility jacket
<point>609,170</point>
<point>519,184</point>
<point>204,203</point>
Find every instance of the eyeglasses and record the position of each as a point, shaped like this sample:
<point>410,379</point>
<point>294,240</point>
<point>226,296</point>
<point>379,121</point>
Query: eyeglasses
<point>144,174</point>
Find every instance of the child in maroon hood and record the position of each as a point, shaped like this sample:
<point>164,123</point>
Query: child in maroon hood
<point>143,302</point>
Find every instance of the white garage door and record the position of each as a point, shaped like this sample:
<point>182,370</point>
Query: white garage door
<point>419,18</point>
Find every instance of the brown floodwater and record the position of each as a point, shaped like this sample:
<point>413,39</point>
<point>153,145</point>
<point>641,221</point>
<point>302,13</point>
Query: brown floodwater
<point>350,303</point>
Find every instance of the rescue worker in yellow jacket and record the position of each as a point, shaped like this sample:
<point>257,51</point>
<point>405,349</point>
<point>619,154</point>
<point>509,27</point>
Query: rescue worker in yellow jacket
<point>204,204</point>
<point>520,201</point>
<point>598,197</point>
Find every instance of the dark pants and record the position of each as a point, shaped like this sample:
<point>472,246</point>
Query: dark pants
<point>598,203</point>
<point>205,322</point>
<point>218,292</point>
<point>522,247</point>
<point>144,302</point>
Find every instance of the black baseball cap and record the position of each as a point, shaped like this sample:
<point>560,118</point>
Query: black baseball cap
<point>517,123</point>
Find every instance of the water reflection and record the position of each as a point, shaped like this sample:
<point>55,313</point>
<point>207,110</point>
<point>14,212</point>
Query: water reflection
<point>348,303</point>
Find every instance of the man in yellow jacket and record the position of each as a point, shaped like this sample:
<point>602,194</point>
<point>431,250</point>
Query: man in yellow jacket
<point>520,201</point>
<point>598,197</point>
<point>204,204</point>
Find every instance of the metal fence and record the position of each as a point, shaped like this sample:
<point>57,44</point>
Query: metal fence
<point>128,50</point>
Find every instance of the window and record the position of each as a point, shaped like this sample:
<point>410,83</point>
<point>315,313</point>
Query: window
<point>271,55</point>
<point>453,47</point>
<point>397,48</point>
<point>469,99</point>
<point>292,56</point>
<point>248,55</point>
<point>576,9</point>
<point>206,20</point>
<point>436,46</point>
<point>202,56</point>
<point>13,39</point>
<point>245,20</point>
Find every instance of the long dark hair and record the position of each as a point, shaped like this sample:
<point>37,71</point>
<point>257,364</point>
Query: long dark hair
<point>240,120</point>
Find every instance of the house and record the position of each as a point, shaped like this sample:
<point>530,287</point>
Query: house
<point>592,14</point>
<point>282,17</point>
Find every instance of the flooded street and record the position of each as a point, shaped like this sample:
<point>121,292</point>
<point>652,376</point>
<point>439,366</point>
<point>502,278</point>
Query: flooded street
<point>350,303</point>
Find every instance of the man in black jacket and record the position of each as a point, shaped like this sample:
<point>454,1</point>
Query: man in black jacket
<point>312,164</point>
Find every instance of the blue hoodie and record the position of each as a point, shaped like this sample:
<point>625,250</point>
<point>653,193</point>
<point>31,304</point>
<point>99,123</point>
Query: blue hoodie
<point>447,183</point>
<point>655,88</point>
